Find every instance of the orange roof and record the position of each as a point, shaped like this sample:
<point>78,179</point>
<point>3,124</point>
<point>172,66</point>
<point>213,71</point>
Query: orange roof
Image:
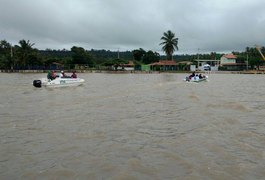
<point>230,56</point>
<point>130,64</point>
<point>164,63</point>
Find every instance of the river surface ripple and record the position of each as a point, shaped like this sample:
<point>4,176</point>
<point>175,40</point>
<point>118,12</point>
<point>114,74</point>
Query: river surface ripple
<point>133,126</point>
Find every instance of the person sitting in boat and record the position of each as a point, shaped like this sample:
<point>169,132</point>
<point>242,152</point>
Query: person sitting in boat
<point>49,75</point>
<point>62,75</point>
<point>192,75</point>
<point>196,77</point>
<point>53,75</point>
<point>74,75</point>
<point>201,76</point>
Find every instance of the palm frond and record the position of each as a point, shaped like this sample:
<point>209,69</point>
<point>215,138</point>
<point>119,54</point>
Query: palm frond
<point>169,42</point>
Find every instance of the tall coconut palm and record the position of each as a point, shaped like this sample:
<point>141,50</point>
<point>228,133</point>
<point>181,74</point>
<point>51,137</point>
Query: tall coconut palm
<point>24,51</point>
<point>170,43</point>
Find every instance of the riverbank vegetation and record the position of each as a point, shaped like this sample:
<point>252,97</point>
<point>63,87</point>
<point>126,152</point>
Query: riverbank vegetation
<point>25,56</point>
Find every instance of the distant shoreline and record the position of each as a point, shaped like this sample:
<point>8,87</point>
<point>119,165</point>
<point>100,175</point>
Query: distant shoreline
<point>134,72</point>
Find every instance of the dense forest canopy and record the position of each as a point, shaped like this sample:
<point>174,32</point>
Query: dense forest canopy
<point>25,56</point>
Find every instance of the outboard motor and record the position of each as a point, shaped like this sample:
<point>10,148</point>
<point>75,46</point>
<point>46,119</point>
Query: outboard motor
<point>37,83</point>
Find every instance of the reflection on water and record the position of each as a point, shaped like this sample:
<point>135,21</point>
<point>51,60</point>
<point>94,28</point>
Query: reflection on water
<point>133,126</point>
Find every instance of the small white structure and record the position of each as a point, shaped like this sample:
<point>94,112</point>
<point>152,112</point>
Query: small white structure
<point>207,64</point>
<point>192,67</point>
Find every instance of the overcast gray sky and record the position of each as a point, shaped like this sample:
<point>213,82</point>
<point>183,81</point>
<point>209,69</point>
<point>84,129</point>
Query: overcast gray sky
<point>201,25</point>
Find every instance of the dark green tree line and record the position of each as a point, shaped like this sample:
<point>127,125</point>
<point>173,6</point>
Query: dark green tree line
<point>81,56</point>
<point>144,57</point>
<point>24,55</point>
<point>5,55</point>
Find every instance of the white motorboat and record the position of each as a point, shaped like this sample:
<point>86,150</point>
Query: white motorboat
<point>58,82</point>
<point>196,79</point>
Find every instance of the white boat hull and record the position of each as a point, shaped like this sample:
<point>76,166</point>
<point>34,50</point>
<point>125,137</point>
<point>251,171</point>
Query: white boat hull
<point>58,82</point>
<point>196,79</point>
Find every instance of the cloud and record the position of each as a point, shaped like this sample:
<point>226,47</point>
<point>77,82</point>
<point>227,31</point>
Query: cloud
<point>220,26</point>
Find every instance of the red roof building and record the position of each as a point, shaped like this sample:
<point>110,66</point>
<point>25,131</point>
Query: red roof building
<point>228,59</point>
<point>130,64</point>
<point>164,65</point>
<point>229,62</point>
<point>230,56</point>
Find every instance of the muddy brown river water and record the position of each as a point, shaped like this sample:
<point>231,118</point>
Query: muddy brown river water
<point>133,126</point>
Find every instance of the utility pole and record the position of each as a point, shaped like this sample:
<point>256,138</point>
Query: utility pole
<point>198,57</point>
<point>118,53</point>
<point>11,56</point>
<point>247,61</point>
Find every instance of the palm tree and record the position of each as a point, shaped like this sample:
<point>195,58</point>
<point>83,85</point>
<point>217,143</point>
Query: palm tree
<point>170,43</point>
<point>24,51</point>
